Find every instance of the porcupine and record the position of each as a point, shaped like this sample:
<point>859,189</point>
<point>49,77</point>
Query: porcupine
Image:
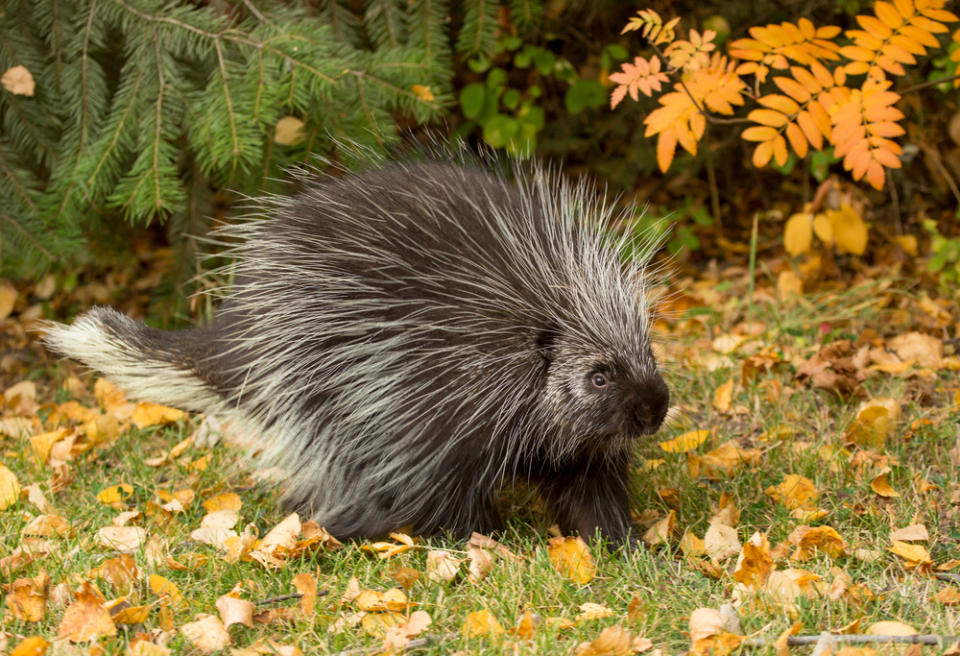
<point>404,341</point>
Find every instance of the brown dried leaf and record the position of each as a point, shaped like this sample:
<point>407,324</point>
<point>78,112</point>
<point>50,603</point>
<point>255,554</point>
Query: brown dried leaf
<point>612,641</point>
<point>26,598</point>
<point>234,610</point>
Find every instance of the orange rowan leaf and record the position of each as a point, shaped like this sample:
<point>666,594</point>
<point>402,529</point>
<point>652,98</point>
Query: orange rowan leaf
<point>779,103</point>
<point>797,139</point>
<point>875,26</point>
<point>888,14</point>
<point>642,75</point>
<point>919,35</point>
<point>768,117</point>
<point>774,45</point>
<point>792,88</point>
<point>666,145</point>
<point>810,129</point>
<point>762,154</point>
<point>759,133</point>
<point>780,151</point>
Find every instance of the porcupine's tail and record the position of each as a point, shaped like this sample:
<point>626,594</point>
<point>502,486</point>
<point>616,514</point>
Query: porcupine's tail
<point>146,363</point>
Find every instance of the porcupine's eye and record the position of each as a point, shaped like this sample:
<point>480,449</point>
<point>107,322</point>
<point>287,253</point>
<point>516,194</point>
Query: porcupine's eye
<point>598,380</point>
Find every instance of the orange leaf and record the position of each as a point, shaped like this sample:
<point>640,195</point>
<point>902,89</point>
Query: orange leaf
<point>762,154</point>
<point>797,141</point>
<point>666,146</point>
<point>767,117</point>
<point>792,88</point>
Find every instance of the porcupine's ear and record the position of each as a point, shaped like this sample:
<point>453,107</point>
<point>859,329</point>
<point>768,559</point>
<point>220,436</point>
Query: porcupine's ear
<point>546,340</point>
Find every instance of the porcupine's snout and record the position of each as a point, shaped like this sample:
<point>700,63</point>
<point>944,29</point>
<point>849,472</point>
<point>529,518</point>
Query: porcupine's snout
<point>645,412</point>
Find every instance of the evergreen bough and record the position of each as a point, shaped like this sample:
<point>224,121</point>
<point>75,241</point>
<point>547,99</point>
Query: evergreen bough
<point>143,109</point>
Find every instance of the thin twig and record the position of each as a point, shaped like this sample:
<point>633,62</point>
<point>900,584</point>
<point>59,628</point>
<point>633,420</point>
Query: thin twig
<point>946,576</point>
<point>928,83</point>
<point>856,639</point>
<point>287,597</point>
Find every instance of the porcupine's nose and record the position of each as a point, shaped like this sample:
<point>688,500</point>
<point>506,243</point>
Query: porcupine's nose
<point>650,405</point>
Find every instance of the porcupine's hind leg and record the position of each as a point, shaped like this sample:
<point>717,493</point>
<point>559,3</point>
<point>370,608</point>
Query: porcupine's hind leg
<point>591,497</point>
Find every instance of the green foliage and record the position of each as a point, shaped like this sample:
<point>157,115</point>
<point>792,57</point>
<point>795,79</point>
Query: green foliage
<point>508,105</point>
<point>141,106</point>
<point>944,257</point>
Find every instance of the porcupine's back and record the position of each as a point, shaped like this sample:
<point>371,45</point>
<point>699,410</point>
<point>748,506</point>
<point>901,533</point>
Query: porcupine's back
<point>384,336</point>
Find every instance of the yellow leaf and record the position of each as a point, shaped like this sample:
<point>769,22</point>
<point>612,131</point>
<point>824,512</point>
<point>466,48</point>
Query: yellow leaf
<point>798,233</point>
<point>823,229</point>
<point>723,397</point>
<point>809,539</point>
<point>849,230</point>
<point>725,460</point>
<point>206,633</point>
<point>393,599</point>
<point>686,442</point>
<point>881,485</point>
<point>890,628</point>
<point>949,596</point>
<point>661,531</point>
<point>114,493</point>
<point>226,501</point>
<point>755,562</point>
<point>571,557</point>
<point>26,598</point>
<point>9,488</point>
<point>481,622</point>
<point>914,554</point>
<point>789,285</point>
<point>32,646</point>
<point>86,618</point>
<point>612,641</point>
<point>132,615</point>
<point>795,492</point>
<point>153,414</point>
<point>167,590</point>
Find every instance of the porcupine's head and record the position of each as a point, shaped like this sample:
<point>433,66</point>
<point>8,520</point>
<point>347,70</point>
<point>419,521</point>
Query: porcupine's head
<point>602,387</point>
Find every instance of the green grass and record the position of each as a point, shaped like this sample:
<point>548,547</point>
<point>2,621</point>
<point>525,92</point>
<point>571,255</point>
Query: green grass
<point>665,587</point>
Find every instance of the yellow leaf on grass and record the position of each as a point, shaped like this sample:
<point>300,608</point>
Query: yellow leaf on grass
<point>809,539</point>
<point>226,501</point>
<point>481,622</point>
<point>914,554</point>
<point>132,615</point>
<point>9,488</point>
<point>26,598</point>
<point>686,442</point>
<point>571,557</point>
<point>725,460</point>
<point>723,397</point>
<point>32,646</point>
<point>755,562</point>
<point>153,414</point>
<point>114,493</point>
<point>612,641</point>
<point>949,596</point>
<point>798,233</point>
<point>393,599</point>
<point>661,531</point>
<point>592,611</point>
<point>167,590</point>
<point>206,633</point>
<point>890,627</point>
<point>910,533</point>
<point>881,485</point>
<point>795,491</point>
<point>86,618</point>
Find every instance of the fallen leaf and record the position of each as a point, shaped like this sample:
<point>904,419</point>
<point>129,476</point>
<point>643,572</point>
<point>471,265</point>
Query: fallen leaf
<point>755,562</point>
<point>126,539</point>
<point>721,542</point>
<point>153,414</point>
<point>661,531</point>
<point>724,461</point>
<point>809,539</point>
<point>890,628</point>
<point>397,636</point>
<point>949,596</point>
<point>795,492</point>
<point>86,618</point>
<point>481,622</point>
<point>881,485</point>
<point>705,622</point>
<point>442,566</point>
<point>527,626</point>
<point>592,611</point>
<point>226,501</point>
<point>481,562</point>
<point>571,557</point>
<point>9,488</point>
<point>306,585</point>
<point>686,442</point>
<point>167,590</point>
<point>26,598</point>
<point>612,641</point>
<point>723,397</point>
<point>916,555</point>
<point>910,533</point>
<point>32,646</point>
<point>114,494</point>
<point>206,633</point>
<point>393,599</point>
<point>234,610</point>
